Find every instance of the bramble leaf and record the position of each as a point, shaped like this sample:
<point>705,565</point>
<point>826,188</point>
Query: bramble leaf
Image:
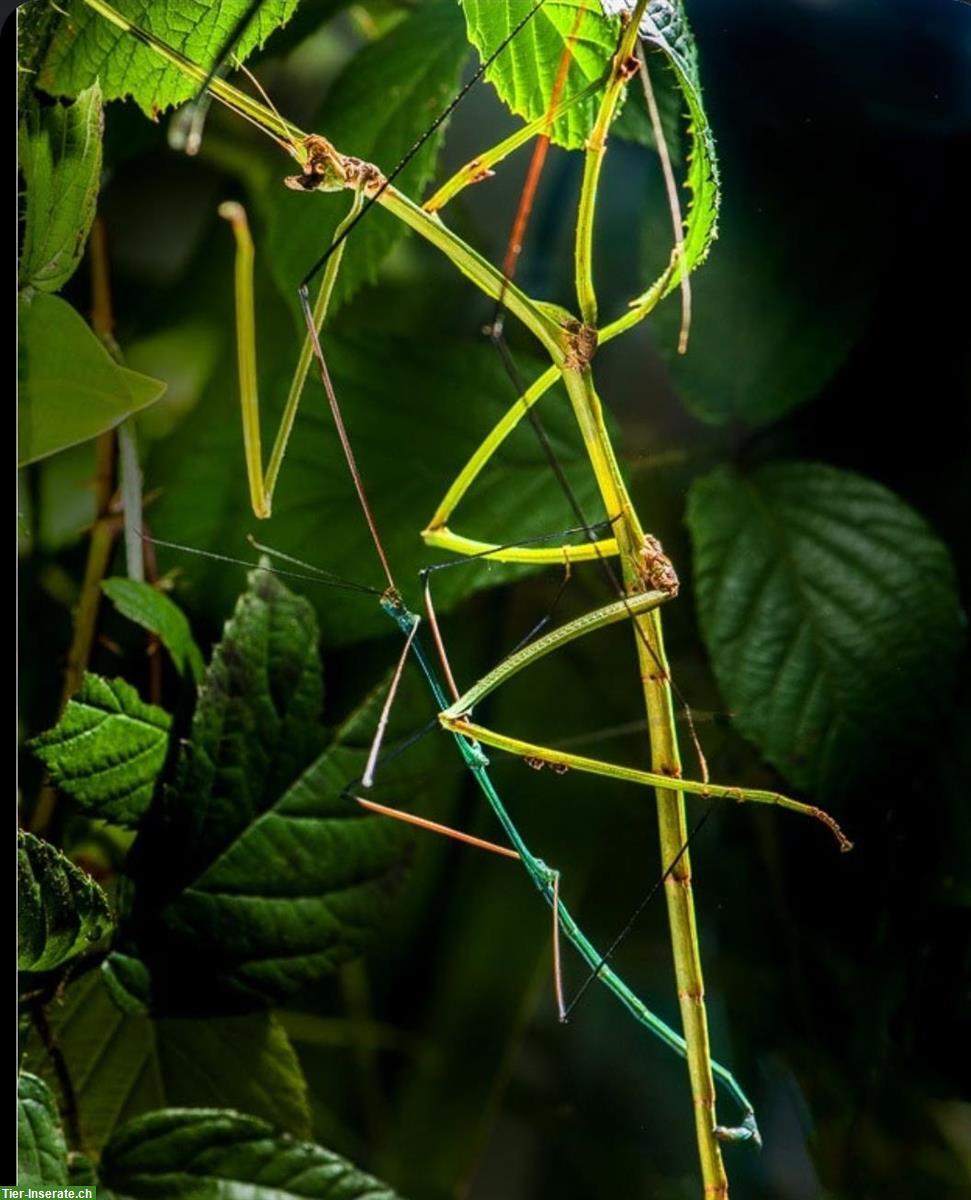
<point>60,159</point>
<point>385,99</point>
<point>525,73</point>
<point>107,750</point>
<point>71,389</point>
<point>214,1152</point>
<point>830,612</point>
<point>41,1149</point>
<point>127,1063</point>
<point>253,874</point>
<point>154,611</point>
<point>86,47</point>
<point>61,911</point>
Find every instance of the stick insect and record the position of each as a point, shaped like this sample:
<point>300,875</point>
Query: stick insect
<point>647,579</point>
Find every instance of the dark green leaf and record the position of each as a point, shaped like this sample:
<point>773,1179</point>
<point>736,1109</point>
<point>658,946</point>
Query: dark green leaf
<point>386,98</point>
<point>525,72</point>
<point>208,1153</point>
<point>87,47</point>
<point>415,414</point>
<point>61,911</point>
<point>154,611</point>
<point>60,159</point>
<point>126,1063</point>
<point>768,329</point>
<point>830,612</point>
<point>257,875</point>
<point>107,750</point>
<point>71,389</point>
<point>41,1152</point>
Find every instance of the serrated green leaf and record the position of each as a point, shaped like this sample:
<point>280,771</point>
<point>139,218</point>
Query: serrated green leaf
<point>385,99</point>
<point>61,911</point>
<point>71,389</point>
<point>457,388</point>
<point>41,1150</point>
<point>154,611</point>
<point>830,612</point>
<point>257,877</point>
<point>60,160</point>
<point>209,1153</point>
<point>86,47</point>
<point>668,39</point>
<point>525,72</point>
<point>107,750</point>
<point>126,1063</point>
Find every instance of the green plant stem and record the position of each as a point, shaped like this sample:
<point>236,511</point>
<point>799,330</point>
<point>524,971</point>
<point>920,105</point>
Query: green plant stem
<point>665,760</point>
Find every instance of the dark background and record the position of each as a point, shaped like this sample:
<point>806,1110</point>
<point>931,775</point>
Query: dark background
<point>837,985</point>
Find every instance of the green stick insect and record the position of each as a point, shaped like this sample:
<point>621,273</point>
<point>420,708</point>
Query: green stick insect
<point>647,580</point>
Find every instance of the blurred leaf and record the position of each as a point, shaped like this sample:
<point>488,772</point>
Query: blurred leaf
<point>107,750</point>
<point>257,876</point>
<point>213,1152</point>
<point>154,611</point>
<point>126,1063</point>
<point>61,911</point>
<point>60,159</point>
<point>830,612</point>
<point>71,389</point>
<point>525,72</point>
<point>41,1151</point>
<point>385,99</point>
<point>87,46</point>
<point>415,413</point>
<point>761,344</point>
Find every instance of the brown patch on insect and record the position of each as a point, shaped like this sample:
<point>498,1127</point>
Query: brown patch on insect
<point>364,175</point>
<point>537,764</point>
<point>670,770</point>
<point>581,345</point>
<point>656,568</point>
<point>324,168</point>
<point>628,68</point>
<point>477,172</point>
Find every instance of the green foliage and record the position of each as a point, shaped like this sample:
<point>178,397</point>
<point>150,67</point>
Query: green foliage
<point>86,47</point>
<point>62,911</point>
<point>828,607</point>
<point>60,160</point>
<point>256,876</point>
<point>210,1152</point>
<point>127,1063</point>
<point>107,750</point>
<point>154,611</point>
<point>41,1152</point>
<point>71,389</point>
<point>525,72</point>
<point>377,109</point>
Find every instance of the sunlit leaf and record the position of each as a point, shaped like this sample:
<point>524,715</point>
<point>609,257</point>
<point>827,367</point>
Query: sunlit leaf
<point>107,749</point>
<point>87,47</point>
